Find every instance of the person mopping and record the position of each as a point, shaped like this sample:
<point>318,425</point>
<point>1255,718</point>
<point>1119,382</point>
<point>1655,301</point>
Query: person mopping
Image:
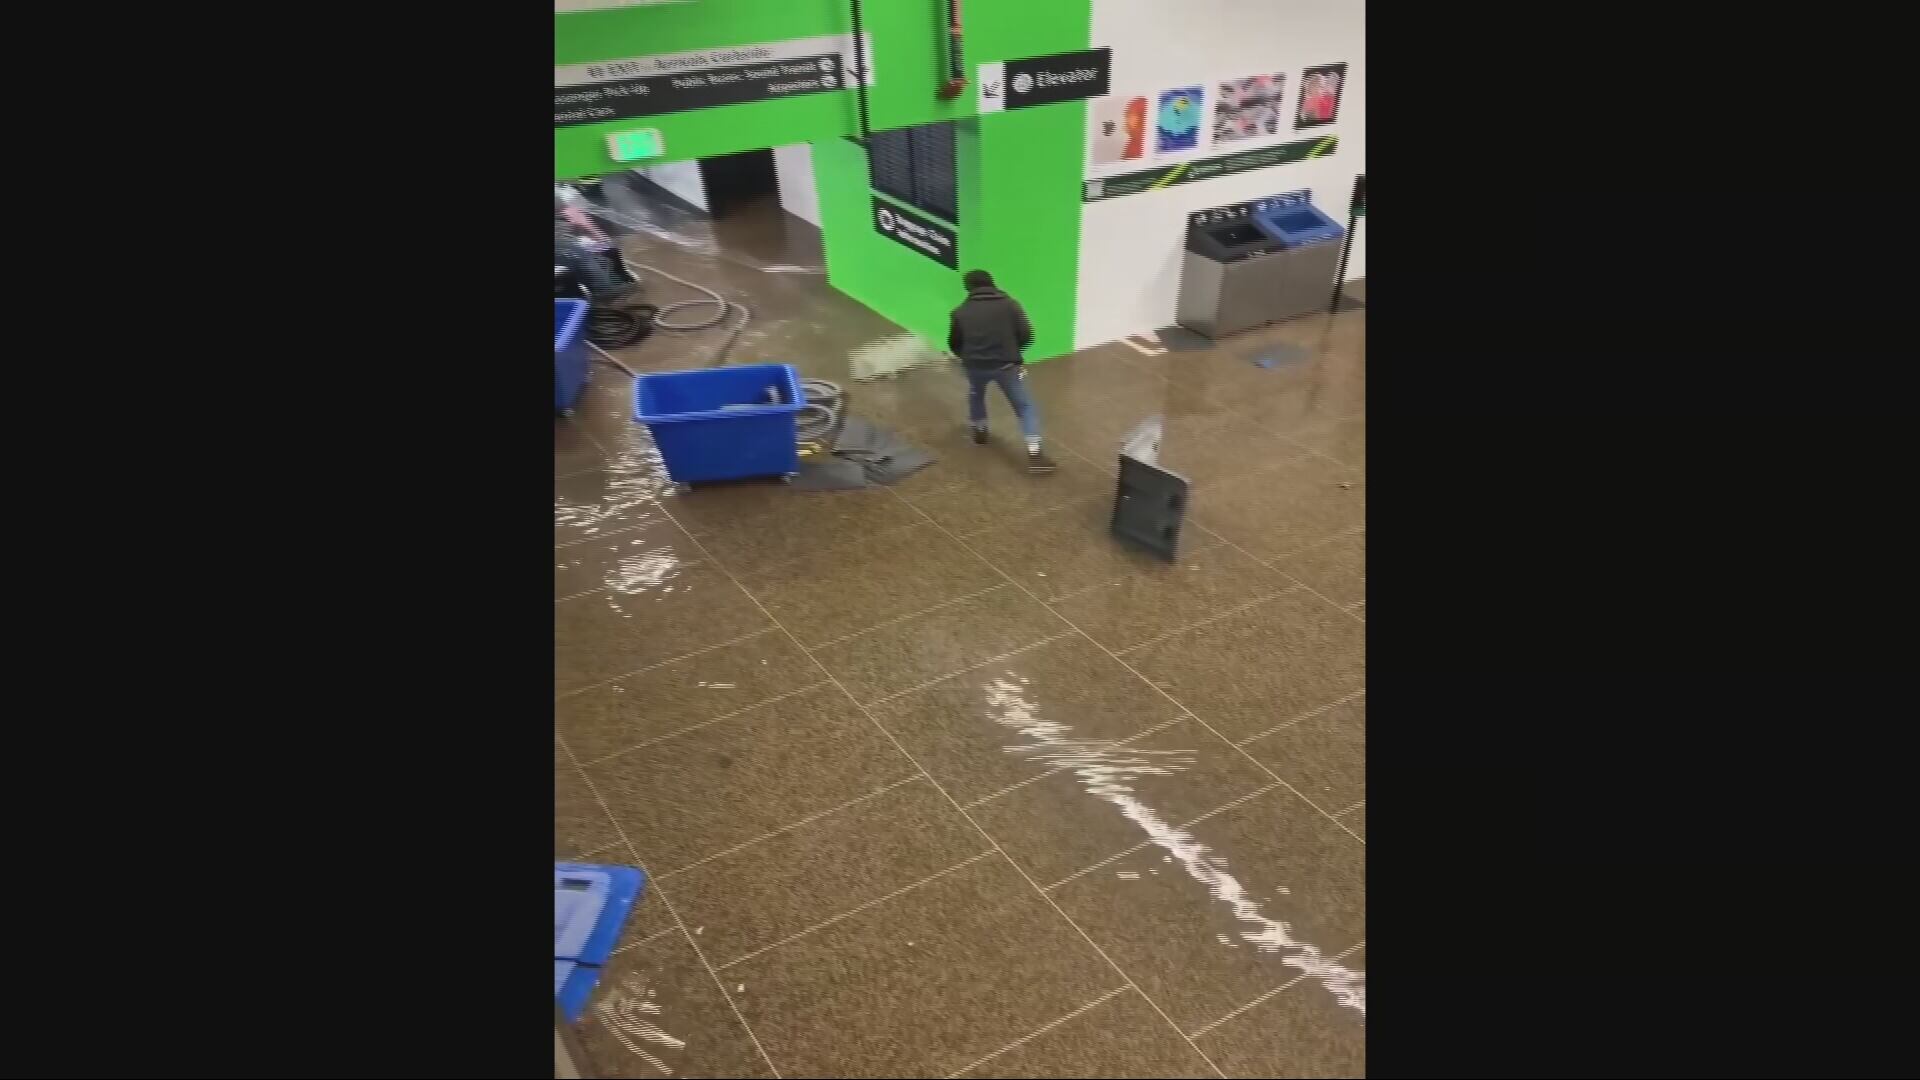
<point>988,333</point>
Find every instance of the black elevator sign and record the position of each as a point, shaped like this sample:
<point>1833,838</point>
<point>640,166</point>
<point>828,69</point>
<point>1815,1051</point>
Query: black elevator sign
<point>652,95</point>
<point>1044,80</point>
<point>910,230</point>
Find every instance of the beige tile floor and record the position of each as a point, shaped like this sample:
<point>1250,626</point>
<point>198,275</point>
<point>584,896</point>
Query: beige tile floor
<point>936,780</point>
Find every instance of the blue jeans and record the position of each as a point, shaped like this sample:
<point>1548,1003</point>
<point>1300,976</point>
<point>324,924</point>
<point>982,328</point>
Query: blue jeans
<point>1013,383</point>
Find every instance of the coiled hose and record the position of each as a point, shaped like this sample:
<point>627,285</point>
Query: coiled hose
<point>616,327</point>
<point>819,420</point>
<point>723,307</point>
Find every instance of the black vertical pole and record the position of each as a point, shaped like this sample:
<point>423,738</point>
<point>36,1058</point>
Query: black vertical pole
<point>1346,248</point>
<point>860,68</point>
<point>1340,275</point>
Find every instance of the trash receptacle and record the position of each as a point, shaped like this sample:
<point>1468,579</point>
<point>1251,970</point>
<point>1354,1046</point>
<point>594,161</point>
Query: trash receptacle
<point>727,423</point>
<point>1227,279</point>
<point>1308,259</point>
<point>569,353</point>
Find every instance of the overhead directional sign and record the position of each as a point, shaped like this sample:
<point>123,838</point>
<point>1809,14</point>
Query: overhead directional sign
<point>1044,80</point>
<point>675,82</point>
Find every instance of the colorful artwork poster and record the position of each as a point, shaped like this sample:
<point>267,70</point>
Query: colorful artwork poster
<point>1248,108</point>
<point>1119,129</point>
<point>1177,123</point>
<point>1319,95</point>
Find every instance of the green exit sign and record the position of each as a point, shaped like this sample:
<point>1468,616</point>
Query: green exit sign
<point>635,145</point>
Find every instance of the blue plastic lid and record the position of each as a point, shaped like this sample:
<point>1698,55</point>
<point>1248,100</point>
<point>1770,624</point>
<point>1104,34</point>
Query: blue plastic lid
<point>1298,223</point>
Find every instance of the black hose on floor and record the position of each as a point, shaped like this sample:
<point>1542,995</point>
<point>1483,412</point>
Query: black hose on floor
<point>618,327</point>
<point>820,419</point>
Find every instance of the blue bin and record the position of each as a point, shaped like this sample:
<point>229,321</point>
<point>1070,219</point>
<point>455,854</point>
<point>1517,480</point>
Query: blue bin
<point>701,439</point>
<point>1295,224</point>
<point>569,353</point>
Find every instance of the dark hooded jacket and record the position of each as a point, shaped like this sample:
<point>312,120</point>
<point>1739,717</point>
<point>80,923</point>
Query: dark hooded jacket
<point>989,331</point>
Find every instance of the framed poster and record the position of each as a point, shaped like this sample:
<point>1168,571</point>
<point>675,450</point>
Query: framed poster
<point>1119,129</point>
<point>1319,95</point>
<point>1177,123</point>
<point>1248,108</point>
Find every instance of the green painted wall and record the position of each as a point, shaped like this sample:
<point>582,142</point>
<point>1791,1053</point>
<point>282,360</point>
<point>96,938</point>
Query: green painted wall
<point>1024,168</point>
<point>906,46</point>
<point>903,285</point>
<point>1019,172</point>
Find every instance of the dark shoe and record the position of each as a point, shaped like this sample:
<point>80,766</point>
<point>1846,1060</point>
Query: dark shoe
<point>979,437</point>
<point>1038,463</point>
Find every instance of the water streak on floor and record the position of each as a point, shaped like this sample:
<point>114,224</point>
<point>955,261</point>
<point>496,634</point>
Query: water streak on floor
<point>1107,769</point>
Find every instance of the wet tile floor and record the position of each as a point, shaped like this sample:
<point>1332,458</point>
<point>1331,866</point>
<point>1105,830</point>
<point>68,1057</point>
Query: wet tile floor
<point>935,780</point>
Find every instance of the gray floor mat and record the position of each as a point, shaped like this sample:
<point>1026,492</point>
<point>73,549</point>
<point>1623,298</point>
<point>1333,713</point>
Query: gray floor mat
<point>864,454</point>
<point>830,474</point>
<point>886,456</point>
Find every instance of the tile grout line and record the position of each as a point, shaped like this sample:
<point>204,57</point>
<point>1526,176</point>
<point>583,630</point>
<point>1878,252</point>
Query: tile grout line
<point>709,722</point>
<point>855,910</point>
<point>590,853</point>
<point>1144,844</point>
<point>1058,769</point>
<point>1242,751</point>
<point>1308,715</point>
<point>1029,516</point>
<point>631,945</point>
<point>1041,1030</point>
<point>944,793</point>
<point>1209,426</point>
<point>1028,647</point>
<point>663,663</point>
<point>844,638</point>
<point>792,825</point>
<point>1263,998</point>
<point>634,854</point>
<point>772,568</point>
<point>1323,542</point>
<point>578,472</point>
<point>1216,617</point>
<point>604,535</point>
<point>1075,594</point>
<point>1296,581</point>
<point>1321,453</point>
<point>578,595</point>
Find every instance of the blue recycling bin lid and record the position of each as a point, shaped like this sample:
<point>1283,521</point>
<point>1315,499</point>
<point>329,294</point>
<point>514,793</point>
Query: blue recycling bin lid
<point>1296,223</point>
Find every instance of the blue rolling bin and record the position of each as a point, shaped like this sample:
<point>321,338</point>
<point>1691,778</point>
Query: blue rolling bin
<point>570,357</point>
<point>590,906</point>
<point>728,423</point>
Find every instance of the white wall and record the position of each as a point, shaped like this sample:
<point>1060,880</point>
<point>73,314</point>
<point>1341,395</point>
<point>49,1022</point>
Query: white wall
<point>680,177</point>
<point>1131,245</point>
<point>793,169</point>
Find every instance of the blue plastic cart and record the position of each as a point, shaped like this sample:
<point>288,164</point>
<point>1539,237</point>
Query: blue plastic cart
<point>727,423</point>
